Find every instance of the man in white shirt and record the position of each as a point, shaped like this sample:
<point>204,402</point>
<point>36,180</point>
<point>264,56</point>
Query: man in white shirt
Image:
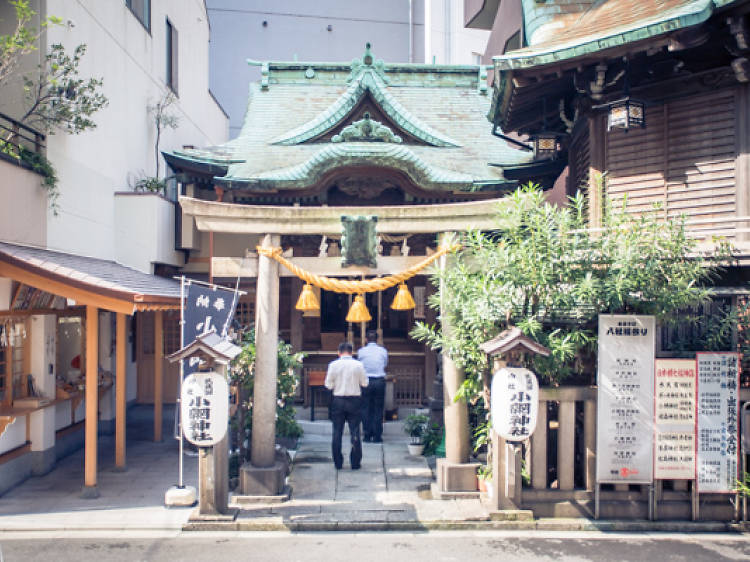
<point>374,358</point>
<point>345,377</point>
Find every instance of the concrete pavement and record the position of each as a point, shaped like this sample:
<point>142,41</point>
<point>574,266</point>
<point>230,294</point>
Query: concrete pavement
<point>389,492</point>
<point>133,499</point>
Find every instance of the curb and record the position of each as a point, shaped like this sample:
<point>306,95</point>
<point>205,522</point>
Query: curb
<point>276,524</point>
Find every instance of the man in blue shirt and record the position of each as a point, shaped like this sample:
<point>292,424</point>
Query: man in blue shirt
<point>374,357</point>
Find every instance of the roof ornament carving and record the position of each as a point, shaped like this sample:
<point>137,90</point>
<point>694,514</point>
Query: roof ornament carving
<point>367,130</point>
<point>367,62</point>
<point>368,77</point>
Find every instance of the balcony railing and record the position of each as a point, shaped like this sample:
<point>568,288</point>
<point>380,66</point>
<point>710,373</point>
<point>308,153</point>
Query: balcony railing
<point>18,135</point>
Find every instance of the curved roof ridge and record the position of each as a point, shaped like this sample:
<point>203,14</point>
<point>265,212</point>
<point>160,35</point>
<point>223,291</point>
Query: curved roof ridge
<point>367,80</point>
<point>394,156</point>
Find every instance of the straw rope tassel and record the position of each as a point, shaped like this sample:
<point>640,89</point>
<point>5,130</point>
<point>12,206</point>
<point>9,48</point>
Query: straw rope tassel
<point>354,287</point>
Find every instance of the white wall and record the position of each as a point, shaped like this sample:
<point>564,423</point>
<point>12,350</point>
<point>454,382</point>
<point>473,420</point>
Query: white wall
<point>132,62</point>
<point>447,41</point>
<point>25,220</point>
<point>14,435</point>
<point>144,230</point>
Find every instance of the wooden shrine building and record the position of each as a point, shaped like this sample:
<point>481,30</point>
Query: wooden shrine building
<point>407,145</point>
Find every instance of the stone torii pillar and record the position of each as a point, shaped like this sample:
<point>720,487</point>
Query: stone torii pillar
<point>264,475</point>
<point>454,472</point>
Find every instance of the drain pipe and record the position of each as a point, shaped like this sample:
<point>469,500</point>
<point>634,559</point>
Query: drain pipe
<point>411,33</point>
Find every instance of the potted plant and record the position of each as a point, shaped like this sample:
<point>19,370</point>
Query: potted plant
<point>415,426</point>
<point>484,479</point>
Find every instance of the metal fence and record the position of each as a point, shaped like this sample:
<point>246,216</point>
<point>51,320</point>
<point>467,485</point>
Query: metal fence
<point>18,135</point>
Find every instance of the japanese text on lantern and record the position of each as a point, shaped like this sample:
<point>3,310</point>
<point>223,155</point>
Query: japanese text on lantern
<point>514,402</point>
<point>205,408</point>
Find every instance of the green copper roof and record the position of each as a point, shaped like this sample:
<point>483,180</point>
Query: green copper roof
<point>607,25</point>
<point>305,120</point>
<point>367,78</point>
<point>392,156</point>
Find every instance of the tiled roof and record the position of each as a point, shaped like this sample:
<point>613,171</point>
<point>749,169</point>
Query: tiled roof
<point>92,273</point>
<point>604,25</point>
<point>442,108</point>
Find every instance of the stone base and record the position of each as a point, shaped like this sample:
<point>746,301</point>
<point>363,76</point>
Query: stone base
<point>89,493</point>
<point>436,494</point>
<point>457,477</point>
<point>180,497</point>
<point>197,516</point>
<point>512,515</point>
<point>239,500</point>
<point>42,462</point>
<point>266,481</point>
<point>119,468</point>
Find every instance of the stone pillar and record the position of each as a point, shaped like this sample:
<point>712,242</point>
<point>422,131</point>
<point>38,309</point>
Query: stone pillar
<point>92,401</point>
<point>454,472</point>
<point>42,341</point>
<point>456,413</point>
<point>213,475</point>
<point>264,476</point>
<point>266,344</point>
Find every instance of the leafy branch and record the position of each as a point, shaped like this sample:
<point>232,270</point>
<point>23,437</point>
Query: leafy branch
<point>22,40</point>
<point>58,99</point>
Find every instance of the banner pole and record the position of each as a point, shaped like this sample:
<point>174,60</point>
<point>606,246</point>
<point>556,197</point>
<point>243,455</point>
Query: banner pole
<point>180,483</point>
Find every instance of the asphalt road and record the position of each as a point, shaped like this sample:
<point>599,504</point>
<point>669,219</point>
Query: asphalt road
<point>376,547</point>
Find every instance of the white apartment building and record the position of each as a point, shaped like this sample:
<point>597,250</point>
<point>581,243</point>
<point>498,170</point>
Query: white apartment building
<point>141,49</point>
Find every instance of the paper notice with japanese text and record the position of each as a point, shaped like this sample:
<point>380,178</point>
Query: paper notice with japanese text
<point>717,452</point>
<point>625,410</point>
<point>674,418</point>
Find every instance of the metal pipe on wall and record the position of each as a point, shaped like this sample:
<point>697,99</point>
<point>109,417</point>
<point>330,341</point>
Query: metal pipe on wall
<point>411,32</point>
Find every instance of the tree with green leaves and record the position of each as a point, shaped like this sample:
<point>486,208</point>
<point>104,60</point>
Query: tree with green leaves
<point>164,118</point>
<point>242,374</point>
<point>57,98</point>
<point>23,39</point>
<point>545,271</point>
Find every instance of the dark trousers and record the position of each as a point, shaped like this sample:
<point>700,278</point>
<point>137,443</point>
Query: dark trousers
<point>373,399</point>
<point>346,409</point>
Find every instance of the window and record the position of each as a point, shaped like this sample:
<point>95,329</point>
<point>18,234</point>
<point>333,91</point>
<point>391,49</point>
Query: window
<point>171,57</point>
<point>141,10</point>
<point>513,42</point>
<point>14,362</point>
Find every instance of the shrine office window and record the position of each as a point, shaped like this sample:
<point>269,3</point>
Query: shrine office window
<point>171,78</point>
<point>142,11</point>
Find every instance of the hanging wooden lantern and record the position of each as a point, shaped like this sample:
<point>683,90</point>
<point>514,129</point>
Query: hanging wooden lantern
<point>307,300</point>
<point>358,311</point>
<point>403,299</point>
